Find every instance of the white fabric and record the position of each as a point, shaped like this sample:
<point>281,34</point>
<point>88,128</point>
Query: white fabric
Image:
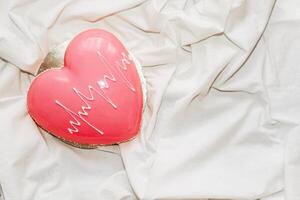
<point>222,116</point>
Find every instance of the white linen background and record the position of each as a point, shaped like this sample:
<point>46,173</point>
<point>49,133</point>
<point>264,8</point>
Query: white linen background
<point>222,116</point>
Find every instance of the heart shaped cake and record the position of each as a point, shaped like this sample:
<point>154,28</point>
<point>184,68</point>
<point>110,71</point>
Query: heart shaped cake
<point>96,98</point>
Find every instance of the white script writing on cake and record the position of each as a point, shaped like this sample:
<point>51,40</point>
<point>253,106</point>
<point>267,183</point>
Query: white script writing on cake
<point>115,72</point>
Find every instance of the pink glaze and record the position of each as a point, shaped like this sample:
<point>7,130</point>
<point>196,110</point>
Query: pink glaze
<point>96,98</point>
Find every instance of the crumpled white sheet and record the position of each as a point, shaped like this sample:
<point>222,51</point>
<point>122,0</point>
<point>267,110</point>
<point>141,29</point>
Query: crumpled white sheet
<point>222,116</point>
